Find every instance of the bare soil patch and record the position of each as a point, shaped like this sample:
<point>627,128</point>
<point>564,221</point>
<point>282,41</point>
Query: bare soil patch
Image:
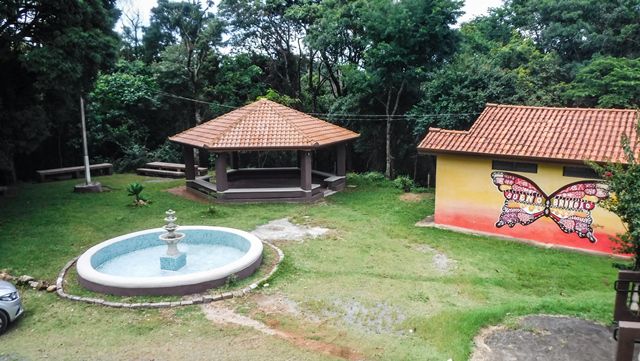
<point>380,318</point>
<point>284,230</point>
<point>415,197</point>
<point>184,193</point>
<point>221,313</point>
<point>549,338</point>
<point>440,261</point>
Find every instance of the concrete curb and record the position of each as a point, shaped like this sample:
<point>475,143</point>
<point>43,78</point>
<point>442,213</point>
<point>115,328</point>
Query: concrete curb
<point>197,298</point>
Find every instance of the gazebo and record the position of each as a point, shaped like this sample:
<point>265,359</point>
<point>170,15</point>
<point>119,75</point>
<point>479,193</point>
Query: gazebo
<point>265,126</point>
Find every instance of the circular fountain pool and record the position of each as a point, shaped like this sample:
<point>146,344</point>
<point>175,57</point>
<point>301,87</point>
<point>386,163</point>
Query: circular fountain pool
<point>130,264</point>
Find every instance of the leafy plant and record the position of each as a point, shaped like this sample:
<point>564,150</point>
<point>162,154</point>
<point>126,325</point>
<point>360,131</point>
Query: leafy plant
<point>373,177</point>
<point>135,190</point>
<point>624,184</point>
<point>404,182</point>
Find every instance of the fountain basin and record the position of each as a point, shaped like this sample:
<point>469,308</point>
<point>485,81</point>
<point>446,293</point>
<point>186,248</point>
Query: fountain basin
<point>129,265</point>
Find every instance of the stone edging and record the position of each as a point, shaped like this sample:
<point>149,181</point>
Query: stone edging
<point>196,300</point>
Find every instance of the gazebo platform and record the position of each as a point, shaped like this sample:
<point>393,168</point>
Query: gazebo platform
<point>265,126</point>
<point>269,184</point>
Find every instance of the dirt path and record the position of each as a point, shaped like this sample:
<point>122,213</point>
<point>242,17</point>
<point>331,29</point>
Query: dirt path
<point>221,313</point>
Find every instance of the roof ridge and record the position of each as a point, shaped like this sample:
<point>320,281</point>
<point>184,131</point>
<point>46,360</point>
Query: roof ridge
<point>293,124</point>
<point>442,130</point>
<point>496,105</point>
<point>231,125</point>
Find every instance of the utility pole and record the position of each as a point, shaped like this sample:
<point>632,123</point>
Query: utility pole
<point>87,170</point>
<point>88,186</point>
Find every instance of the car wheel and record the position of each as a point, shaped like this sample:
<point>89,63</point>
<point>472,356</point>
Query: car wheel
<point>4,322</point>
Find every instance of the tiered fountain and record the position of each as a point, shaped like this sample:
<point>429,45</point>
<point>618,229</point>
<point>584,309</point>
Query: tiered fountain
<point>128,265</point>
<point>174,259</point>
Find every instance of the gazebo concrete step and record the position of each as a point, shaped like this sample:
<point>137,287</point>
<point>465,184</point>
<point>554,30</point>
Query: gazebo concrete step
<point>203,184</point>
<point>160,172</point>
<point>273,190</point>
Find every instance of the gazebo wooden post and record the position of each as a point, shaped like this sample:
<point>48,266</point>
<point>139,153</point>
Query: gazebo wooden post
<point>341,159</point>
<point>221,172</point>
<point>305,169</point>
<point>189,163</point>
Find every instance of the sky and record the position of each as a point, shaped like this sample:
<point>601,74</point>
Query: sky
<point>472,8</point>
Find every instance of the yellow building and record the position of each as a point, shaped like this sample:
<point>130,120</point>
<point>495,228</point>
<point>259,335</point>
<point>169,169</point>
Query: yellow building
<point>520,172</point>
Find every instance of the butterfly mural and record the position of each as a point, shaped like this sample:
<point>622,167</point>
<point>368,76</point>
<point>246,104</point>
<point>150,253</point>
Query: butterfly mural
<point>570,206</point>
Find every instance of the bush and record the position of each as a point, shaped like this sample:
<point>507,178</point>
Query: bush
<point>134,157</point>
<point>167,152</point>
<point>135,190</point>
<point>373,177</point>
<point>404,182</point>
<point>624,186</point>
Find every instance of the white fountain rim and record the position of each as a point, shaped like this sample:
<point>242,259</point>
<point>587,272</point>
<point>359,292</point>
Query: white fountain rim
<point>87,272</point>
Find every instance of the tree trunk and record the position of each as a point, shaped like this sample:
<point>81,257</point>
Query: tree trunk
<point>388,172</point>
<point>13,177</point>
<point>387,169</point>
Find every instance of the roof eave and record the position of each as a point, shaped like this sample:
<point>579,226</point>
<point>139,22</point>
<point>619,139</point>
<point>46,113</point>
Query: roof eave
<point>431,151</point>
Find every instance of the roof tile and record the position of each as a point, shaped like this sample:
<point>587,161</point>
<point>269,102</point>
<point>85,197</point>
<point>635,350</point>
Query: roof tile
<point>263,125</point>
<point>571,134</point>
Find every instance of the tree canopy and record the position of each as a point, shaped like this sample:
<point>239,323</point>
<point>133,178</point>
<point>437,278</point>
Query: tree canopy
<point>388,69</point>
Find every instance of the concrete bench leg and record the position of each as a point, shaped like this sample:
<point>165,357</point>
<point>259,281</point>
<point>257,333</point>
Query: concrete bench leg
<point>628,333</point>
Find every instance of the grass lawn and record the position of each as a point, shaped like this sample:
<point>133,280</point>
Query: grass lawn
<point>369,286</point>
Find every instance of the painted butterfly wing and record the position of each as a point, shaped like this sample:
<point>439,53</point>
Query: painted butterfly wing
<point>524,202</point>
<point>570,207</point>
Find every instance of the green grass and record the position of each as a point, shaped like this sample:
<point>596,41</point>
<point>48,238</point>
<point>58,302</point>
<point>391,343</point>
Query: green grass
<point>369,260</point>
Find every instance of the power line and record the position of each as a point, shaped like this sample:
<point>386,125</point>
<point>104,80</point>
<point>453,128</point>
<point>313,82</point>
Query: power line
<point>345,116</point>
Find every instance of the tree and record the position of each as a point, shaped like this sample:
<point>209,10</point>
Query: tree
<point>50,54</point>
<point>126,116</point>
<point>607,82</point>
<point>262,26</point>
<point>579,29</point>
<point>185,37</point>
<point>405,39</point>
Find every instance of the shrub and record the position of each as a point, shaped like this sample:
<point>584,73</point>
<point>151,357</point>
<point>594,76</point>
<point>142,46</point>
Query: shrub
<point>404,182</point>
<point>167,152</point>
<point>373,177</point>
<point>134,156</point>
<point>624,185</point>
<point>135,190</point>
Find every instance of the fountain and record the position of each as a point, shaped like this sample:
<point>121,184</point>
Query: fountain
<point>174,259</point>
<point>128,265</point>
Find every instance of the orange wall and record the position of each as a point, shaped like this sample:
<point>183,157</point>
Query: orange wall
<point>466,197</point>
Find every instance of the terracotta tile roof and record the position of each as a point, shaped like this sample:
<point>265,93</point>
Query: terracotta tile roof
<point>263,125</point>
<point>565,134</point>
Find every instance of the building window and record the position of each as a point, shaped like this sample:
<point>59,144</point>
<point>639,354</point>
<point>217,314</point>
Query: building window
<point>580,172</point>
<point>514,166</point>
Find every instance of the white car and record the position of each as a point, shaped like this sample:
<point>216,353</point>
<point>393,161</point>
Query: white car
<point>10,304</point>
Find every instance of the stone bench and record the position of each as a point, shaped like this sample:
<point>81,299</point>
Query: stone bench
<point>160,172</point>
<point>176,167</point>
<point>73,172</point>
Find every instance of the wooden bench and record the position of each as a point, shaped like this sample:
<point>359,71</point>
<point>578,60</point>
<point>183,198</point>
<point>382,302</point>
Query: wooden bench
<point>74,172</point>
<point>176,167</point>
<point>331,181</point>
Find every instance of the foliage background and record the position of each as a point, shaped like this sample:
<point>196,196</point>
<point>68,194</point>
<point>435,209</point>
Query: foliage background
<point>386,69</point>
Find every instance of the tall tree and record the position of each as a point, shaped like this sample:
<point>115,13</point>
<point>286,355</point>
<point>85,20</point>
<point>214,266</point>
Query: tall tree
<point>263,26</point>
<point>406,39</point>
<point>607,82</point>
<point>187,36</point>
<point>50,54</point>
